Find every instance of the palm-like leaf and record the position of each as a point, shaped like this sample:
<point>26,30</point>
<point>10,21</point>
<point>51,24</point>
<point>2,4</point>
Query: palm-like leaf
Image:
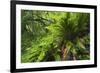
<point>65,38</point>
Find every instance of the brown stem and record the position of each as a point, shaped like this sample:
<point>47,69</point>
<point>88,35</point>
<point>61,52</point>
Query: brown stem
<point>74,57</point>
<point>64,53</point>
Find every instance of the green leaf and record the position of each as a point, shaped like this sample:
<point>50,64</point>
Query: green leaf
<point>57,57</point>
<point>41,56</point>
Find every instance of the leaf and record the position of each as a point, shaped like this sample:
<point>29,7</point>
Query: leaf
<point>57,57</point>
<point>80,44</point>
<point>41,56</point>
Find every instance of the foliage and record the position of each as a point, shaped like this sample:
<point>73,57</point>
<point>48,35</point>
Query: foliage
<point>54,36</point>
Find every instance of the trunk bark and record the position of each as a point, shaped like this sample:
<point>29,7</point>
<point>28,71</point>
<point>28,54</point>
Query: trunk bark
<point>64,53</point>
<point>74,57</point>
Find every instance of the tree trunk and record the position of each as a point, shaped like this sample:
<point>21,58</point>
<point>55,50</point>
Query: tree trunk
<point>64,53</point>
<point>74,57</point>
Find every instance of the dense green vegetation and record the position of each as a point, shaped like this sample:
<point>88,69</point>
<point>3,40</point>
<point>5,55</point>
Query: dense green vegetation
<point>54,36</point>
